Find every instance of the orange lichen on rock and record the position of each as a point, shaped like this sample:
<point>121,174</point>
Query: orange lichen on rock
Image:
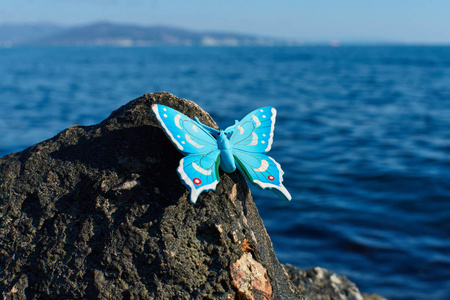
<point>246,246</point>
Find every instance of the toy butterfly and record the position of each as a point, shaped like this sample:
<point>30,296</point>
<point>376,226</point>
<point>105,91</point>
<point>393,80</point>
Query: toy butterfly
<point>239,146</point>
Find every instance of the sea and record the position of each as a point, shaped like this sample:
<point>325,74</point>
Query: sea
<point>362,133</point>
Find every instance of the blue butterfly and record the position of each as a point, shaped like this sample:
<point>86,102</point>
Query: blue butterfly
<point>239,146</point>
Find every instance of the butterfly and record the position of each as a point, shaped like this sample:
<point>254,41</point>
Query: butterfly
<point>241,146</point>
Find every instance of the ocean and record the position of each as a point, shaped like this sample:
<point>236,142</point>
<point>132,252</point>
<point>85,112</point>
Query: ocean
<point>362,133</point>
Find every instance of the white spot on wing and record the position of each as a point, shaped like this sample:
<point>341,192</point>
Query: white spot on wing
<point>201,170</point>
<point>254,139</point>
<point>272,127</point>
<point>256,120</point>
<point>241,129</point>
<point>195,128</point>
<point>177,120</point>
<point>263,167</point>
<point>165,116</point>
<point>193,143</point>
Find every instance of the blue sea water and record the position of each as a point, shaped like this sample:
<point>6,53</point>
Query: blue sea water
<point>363,135</point>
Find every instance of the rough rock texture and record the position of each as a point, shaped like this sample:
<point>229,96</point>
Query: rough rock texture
<point>99,212</point>
<point>321,284</point>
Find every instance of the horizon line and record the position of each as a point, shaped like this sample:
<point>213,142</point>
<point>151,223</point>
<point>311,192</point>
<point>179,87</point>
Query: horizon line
<point>303,41</point>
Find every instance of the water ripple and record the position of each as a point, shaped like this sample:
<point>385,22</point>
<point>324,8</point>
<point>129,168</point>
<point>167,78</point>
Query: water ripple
<point>363,134</point>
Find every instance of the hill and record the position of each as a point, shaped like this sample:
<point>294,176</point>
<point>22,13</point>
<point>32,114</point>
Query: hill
<point>111,34</point>
<point>21,33</point>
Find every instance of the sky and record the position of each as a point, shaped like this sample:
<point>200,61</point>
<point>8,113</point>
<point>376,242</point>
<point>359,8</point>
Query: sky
<point>405,21</point>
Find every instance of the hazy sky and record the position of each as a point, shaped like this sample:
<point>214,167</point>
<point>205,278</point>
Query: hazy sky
<point>417,21</point>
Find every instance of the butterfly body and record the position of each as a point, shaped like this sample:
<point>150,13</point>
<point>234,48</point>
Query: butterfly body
<point>241,146</point>
<point>227,161</point>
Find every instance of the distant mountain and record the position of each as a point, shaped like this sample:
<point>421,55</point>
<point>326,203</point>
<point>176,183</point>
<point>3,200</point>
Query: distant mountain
<point>105,34</point>
<point>20,33</point>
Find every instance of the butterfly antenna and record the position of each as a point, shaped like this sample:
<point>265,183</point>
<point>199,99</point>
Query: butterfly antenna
<point>212,131</point>
<point>231,129</point>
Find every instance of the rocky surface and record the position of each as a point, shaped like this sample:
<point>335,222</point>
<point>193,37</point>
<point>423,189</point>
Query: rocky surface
<point>99,212</point>
<point>322,284</point>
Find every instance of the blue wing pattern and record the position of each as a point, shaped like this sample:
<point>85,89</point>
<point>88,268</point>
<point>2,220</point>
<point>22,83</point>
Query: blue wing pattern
<point>185,133</point>
<point>254,133</point>
<point>200,172</point>
<point>263,171</point>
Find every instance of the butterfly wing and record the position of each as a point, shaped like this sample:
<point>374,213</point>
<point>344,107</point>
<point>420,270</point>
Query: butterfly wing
<point>263,171</point>
<point>183,132</point>
<point>199,169</point>
<point>254,133</point>
<point>200,172</point>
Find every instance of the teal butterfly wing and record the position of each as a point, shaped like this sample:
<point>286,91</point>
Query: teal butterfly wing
<point>250,139</point>
<point>186,134</point>
<point>198,170</point>
<point>254,133</point>
<point>262,171</point>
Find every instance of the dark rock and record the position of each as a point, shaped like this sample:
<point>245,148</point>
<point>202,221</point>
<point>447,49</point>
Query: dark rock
<point>322,284</point>
<point>99,212</point>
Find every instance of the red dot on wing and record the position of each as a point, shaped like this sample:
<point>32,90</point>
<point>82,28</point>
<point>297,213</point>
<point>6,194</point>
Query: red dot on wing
<point>271,177</point>
<point>197,181</point>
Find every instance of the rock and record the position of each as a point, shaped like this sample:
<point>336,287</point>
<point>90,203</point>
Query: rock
<point>99,212</point>
<point>322,284</point>
<point>250,276</point>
